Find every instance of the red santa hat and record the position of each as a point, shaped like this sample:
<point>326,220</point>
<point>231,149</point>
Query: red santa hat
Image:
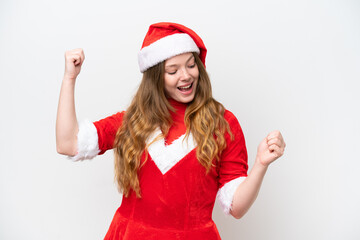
<point>165,40</point>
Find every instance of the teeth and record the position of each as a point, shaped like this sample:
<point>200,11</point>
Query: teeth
<point>187,87</point>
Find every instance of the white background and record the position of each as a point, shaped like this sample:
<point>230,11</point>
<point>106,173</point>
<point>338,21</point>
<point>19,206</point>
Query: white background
<point>287,65</point>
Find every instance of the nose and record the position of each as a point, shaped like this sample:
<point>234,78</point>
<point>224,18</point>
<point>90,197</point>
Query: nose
<point>185,76</point>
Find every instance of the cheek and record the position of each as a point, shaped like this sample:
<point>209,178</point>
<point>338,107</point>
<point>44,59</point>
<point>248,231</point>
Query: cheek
<point>196,73</point>
<point>169,84</point>
<point>167,91</point>
<point>196,77</point>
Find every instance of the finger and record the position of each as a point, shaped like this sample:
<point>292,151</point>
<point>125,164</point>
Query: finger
<point>77,51</point>
<point>80,52</point>
<point>278,151</point>
<point>82,55</point>
<point>274,134</point>
<point>276,141</point>
<point>70,56</point>
<point>80,61</point>
<point>273,148</point>
<point>76,59</point>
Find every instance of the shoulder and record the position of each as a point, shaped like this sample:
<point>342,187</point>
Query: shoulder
<point>230,117</point>
<point>118,116</point>
<point>232,121</point>
<point>110,123</point>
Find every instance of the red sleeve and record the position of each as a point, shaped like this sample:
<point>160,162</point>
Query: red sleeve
<point>106,131</point>
<point>234,159</point>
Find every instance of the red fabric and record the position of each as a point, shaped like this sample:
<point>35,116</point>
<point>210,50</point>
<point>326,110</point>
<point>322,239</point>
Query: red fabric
<point>178,127</point>
<point>106,130</point>
<point>233,162</point>
<point>178,204</point>
<point>159,30</point>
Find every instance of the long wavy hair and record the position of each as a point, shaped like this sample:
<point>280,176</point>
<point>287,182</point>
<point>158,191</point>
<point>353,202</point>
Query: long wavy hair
<point>150,109</point>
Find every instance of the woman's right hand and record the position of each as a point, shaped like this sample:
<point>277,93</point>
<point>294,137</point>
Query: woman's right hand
<point>73,61</point>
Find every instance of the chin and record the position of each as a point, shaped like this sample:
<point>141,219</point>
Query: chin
<point>185,99</point>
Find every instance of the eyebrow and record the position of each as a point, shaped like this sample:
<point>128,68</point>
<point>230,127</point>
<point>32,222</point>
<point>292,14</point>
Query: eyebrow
<point>174,65</point>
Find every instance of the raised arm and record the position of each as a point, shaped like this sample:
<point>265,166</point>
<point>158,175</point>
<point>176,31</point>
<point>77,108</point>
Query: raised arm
<point>270,149</point>
<point>66,121</point>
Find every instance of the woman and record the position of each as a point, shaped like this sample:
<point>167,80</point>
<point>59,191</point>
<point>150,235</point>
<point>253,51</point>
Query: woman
<point>176,148</point>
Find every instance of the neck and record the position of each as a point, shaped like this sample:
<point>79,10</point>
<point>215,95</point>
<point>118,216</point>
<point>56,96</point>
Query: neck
<point>179,109</point>
<point>176,104</point>
<point>178,127</point>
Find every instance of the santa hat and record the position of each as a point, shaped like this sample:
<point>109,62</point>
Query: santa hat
<point>165,40</point>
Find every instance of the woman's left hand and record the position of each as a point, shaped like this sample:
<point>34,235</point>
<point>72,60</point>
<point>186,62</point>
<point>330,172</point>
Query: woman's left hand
<point>271,148</point>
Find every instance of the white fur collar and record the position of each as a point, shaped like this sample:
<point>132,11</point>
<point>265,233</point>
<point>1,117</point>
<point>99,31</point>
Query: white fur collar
<point>166,156</point>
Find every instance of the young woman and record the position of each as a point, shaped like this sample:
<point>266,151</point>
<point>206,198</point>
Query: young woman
<point>176,148</point>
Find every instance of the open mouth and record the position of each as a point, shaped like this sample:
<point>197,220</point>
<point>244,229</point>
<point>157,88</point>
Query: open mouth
<point>186,88</point>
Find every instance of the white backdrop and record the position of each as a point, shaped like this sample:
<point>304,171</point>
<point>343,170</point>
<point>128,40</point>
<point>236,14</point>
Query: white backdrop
<point>287,65</point>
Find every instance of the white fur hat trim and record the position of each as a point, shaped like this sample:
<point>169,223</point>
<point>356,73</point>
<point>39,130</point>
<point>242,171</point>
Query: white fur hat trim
<point>165,48</point>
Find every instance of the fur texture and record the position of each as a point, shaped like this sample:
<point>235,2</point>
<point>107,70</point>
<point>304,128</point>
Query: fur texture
<point>226,193</point>
<point>87,141</point>
<point>166,156</point>
<point>165,48</point>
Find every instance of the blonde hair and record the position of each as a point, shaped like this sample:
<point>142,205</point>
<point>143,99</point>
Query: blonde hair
<point>149,109</point>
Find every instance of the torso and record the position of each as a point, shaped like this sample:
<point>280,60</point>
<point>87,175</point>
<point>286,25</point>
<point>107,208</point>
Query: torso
<point>177,195</point>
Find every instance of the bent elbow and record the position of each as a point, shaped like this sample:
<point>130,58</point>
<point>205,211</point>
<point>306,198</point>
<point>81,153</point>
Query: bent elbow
<point>67,149</point>
<point>238,214</point>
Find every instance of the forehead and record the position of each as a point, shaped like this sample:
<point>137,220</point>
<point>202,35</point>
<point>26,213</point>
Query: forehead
<point>179,59</point>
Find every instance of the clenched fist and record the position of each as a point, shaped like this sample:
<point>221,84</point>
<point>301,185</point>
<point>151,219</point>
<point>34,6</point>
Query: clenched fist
<point>271,148</point>
<point>73,61</point>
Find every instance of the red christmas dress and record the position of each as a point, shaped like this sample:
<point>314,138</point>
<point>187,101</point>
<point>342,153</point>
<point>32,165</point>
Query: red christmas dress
<point>177,195</point>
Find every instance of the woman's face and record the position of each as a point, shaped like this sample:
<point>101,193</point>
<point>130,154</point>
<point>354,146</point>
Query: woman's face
<point>181,77</point>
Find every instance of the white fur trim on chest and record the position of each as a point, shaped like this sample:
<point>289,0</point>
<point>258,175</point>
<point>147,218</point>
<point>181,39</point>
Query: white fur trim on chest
<point>167,156</point>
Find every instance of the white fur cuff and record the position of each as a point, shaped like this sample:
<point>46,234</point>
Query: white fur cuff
<point>226,193</point>
<point>87,141</point>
